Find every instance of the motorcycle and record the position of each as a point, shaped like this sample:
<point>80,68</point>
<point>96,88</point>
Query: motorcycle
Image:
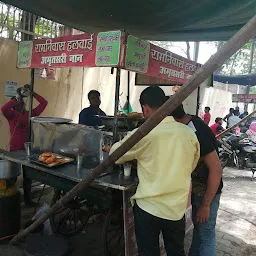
<point>237,152</point>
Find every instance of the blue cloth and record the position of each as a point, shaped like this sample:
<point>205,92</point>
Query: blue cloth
<point>204,236</point>
<point>89,116</point>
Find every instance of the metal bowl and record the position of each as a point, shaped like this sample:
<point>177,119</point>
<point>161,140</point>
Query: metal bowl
<point>8,169</point>
<point>122,122</point>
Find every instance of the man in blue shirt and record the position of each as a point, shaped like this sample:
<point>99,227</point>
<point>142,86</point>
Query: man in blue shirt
<point>90,116</point>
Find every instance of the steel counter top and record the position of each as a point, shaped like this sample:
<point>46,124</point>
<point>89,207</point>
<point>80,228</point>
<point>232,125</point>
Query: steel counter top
<point>69,171</point>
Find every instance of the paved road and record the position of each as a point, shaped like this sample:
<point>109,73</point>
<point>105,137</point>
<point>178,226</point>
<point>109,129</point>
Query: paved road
<point>236,226</point>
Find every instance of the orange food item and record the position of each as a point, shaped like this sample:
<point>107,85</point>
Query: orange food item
<point>42,158</point>
<point>53,164</point>
<point>135,115</point>
<point>46,154</point>
<point>50,160</point>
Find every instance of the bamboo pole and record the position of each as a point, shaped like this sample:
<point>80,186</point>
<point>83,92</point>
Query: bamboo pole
<point>234,44</point>
<point>234,126</point>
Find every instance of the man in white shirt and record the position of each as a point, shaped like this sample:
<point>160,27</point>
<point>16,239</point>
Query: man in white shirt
<point>233,120</point>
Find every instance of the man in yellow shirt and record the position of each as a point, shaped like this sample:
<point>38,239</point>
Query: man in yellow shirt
<point>166,158</point>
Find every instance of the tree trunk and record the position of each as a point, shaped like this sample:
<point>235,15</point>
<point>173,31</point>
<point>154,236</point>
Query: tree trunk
<point>188,50</point>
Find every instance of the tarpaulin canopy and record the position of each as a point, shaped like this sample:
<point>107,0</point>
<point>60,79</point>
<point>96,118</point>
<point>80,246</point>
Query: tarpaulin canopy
<point>249,79</point>
<point>170,20</point>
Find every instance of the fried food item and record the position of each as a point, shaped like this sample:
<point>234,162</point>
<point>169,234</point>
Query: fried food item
<point>50,160</point>
<point>53,164</point>
<point>65,160</point>
<point>46,154</point>
<point>135,115</point>
<point>42,158</point>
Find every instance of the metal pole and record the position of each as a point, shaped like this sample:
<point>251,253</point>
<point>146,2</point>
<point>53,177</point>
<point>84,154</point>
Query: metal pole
<point>250,70</point>
<point>195,58</point>
<point>32,82</point>
<point>116,104</point>
<point>251,55</point>
<point>128,91</point>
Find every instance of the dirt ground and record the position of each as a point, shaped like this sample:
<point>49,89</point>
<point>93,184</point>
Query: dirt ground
<point>236,226</point>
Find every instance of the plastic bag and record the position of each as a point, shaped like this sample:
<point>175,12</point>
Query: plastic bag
<point>47,226</point>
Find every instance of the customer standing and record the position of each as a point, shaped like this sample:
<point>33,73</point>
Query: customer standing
<point>161,197</point>
<point>17,116</point>
<point>207,115</point>
<point>206,186</point>
<point>234,119</point>
<point>231,113</point>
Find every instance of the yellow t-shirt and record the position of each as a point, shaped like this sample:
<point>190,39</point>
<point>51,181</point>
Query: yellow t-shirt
<point>166,158</point>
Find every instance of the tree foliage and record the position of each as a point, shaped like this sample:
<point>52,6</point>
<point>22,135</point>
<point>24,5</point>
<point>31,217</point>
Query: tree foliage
<point>239,63</point>
<point>13,20</point>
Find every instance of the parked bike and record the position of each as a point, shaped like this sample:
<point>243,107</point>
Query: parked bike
<point>237,152</point>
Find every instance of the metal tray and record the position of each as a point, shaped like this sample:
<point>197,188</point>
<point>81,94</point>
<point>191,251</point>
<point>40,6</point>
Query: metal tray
<point>122,122</point>
<point>56,120</point>
<point>34,159</point>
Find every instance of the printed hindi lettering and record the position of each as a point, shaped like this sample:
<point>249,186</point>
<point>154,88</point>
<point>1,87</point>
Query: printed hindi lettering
<point>190,67</point>
<point>141,44</point>
<point>103,59</point>
<point>26,54</point>
<point>107,48</point>
<point>166,58</point>
<point>171,73</point>
<point>49,46</point>
<point>80,44</point>
<point>76,58</point>
<point>140,56</point>
<point>109,38</point>
<point>49,60</point>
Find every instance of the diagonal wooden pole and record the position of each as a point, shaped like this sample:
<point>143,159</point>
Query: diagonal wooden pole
<point>234,44</point>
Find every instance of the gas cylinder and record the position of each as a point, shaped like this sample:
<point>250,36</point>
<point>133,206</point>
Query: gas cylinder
<point>9,199</point>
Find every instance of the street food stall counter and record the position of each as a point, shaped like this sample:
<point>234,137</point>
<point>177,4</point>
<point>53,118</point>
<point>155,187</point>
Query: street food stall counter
<point>108,195</point>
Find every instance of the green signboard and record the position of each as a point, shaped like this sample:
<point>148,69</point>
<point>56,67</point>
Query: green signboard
<point>108,48</point>
<point>25,54</point>
<point>137,54</point>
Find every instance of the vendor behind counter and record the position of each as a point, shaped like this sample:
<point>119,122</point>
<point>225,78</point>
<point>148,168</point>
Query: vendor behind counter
<point>90,116</point>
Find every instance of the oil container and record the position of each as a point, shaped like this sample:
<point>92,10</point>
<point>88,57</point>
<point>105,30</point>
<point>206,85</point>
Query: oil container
<point>9,199</point>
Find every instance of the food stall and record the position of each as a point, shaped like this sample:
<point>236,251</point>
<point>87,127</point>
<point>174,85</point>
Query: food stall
<point>110,194</point>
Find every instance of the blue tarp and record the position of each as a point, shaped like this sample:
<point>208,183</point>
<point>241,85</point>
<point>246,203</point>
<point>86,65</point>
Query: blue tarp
<point>249,79</point>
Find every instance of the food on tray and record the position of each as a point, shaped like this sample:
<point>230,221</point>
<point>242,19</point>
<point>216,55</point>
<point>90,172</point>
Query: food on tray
<point>52,159</point>
<point>135,115</point>
<point>54,163</point>
<point>42,158</point>
<point>46,154</point>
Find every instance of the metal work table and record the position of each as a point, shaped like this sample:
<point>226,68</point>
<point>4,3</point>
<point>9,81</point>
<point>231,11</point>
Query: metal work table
<point>70,172</point>
<point>65,177</point>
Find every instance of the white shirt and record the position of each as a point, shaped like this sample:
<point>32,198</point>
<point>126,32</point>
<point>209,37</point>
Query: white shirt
<point>233,120</point>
